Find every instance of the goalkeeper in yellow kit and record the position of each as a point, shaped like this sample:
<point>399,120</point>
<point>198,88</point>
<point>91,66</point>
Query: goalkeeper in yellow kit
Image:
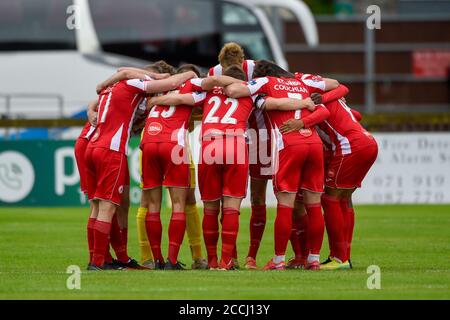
<point>193,229</point>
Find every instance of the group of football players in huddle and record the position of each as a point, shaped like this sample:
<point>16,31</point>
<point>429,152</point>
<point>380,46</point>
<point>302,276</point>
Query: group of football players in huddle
<point>257,120</point>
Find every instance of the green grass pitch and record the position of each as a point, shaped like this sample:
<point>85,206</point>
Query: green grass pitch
<point>410,244</point>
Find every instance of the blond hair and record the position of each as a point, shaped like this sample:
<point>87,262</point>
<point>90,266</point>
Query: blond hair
<point>231,54</point>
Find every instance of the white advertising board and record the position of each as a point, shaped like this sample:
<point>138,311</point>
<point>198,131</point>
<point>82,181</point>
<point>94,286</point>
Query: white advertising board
<point>411,168</point>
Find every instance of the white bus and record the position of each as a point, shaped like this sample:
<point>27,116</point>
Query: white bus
<point>53,52</point>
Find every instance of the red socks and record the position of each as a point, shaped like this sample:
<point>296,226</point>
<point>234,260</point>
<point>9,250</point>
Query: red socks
<point>108,256</point>
<point>283,226</point>
<point>315,227</point>
<point>117,241</point>
<point>124,232</point>
<point>335,226</point>
<point>230,228</point>
<point>177,228</point>
<point>210,227</point>
<point>154,233</point>
<point>257,225</point>
<point>90,237</point>
<point>295,240</point>
<point>303,235</point>
<point>102,230</point>
<point>349,223</point>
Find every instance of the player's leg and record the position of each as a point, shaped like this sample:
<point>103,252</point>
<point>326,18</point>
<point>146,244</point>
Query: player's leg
<point>334,221</point>
<point>355,170</point>
<point>153,223</point>
<point>122,214</point>
<point>119,230</point>
<point>118,234</point>
<point>210,225</point>
<point>299,234</point>
<point>312,186</point>
<point>316,227</point>
<point>258,189</point>
<point>286,182</point>
<point>177,226</point>
<point>210,186</point>
<point>87,168</point>
<point>194,228</point>
<point>144,244</point>
<point>152,179</point>
<point>282,229</point>
<point>176,180</point>
<point>234,189</point>
<point>90,227</point>
<point>348,218</point>
<point>230,229</point>
<point>102,230</point>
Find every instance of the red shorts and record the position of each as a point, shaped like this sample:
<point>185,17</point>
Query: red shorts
<point>299,167</point>
<point>223,169</point>
<point>165,164</point>
<point>348,171</point>
<point>106,174</point>
<point>327,155</point>
<point>80,150</point>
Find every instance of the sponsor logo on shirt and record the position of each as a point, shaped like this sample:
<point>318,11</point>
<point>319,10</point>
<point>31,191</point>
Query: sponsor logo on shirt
<point>154,128</point>
<point>305,132</point>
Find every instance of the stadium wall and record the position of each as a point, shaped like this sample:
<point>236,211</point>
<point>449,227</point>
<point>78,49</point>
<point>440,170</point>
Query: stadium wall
<point>411,168</point>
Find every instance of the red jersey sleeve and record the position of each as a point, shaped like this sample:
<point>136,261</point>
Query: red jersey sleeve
<point>314,83</point>
<point>317,116</point>
<point>138,85</point>
<point>258,86</point>
<point>335,94</point>
<point>194,86</point>
<point>356,114</point>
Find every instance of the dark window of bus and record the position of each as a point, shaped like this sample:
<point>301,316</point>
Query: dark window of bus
<point>241,26</point>
<point>176,31</point>
<point>35,25</point>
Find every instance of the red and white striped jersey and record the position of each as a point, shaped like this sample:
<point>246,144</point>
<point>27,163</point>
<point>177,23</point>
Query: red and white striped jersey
<point>169,123</point>
<point>248,66</point>
<point>314,83</point>
<point>117,108</point>
<point>285,88</point>
<point>341,131</point>
<point>87,131</point>
<point>222,115</point>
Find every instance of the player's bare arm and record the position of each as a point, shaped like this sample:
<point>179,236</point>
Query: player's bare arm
<point>171,83</point>
<point>330,84</point>
<point>92,112</point>
<point>154,75</point>
<point>172,99</point>
<point>218,81</point>
<point>288,104</point>
<point>317,116</point>
<point>119,76</point>
<point>237,90</point>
